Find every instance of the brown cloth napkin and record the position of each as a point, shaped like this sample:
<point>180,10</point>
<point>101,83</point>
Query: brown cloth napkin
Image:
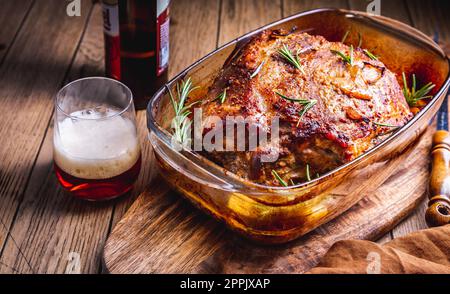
<point>422,252</point>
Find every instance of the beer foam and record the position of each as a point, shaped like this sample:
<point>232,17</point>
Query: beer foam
<point>93,148</point>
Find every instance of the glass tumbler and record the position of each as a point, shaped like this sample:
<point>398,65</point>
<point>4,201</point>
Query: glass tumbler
<point>96,150</point>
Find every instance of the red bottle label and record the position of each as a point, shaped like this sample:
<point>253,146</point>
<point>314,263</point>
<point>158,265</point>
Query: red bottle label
<point>162,30</point>
<point>112,38</point>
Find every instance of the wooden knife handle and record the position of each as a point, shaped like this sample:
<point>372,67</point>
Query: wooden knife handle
<point>438,212</point>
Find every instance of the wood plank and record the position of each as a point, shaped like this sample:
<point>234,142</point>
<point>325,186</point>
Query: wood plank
<point>393,8</point>
<point>89,61</point>
<point>52,228</point>
<point>193,34</point>
<point>240,17</point>
<point>12,15</point>
<point>171,213</point>
<point>427,16</point>
<point>293,6</point>
<point>31,74</point>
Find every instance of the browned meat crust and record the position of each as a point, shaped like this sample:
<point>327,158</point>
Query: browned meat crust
<point>337,129</point>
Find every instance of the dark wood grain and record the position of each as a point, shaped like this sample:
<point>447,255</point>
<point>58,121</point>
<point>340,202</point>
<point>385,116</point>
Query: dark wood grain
<point>240,17</point>
<point>32,72</point>
<point>179,223</point>
<point>12,15</point>
<point>292,6</point>
<point>89,61</point>
<point>51,227</point>
<point>194,29</point>
<point>393,8</point>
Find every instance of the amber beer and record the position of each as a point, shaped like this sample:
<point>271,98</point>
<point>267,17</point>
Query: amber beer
<point>137,45</point>
<point>96,150</point>
<point>96,159</point>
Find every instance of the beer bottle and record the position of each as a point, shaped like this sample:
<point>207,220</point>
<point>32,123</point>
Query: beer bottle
<point>143,45</point>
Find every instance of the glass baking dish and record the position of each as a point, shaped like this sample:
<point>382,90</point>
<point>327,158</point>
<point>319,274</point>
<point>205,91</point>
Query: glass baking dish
<point>280,214</point>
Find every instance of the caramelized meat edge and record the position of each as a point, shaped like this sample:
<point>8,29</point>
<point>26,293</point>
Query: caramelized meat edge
<point>351,101</point>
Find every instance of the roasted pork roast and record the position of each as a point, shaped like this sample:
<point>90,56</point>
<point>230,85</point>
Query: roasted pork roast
<point>333,105</point>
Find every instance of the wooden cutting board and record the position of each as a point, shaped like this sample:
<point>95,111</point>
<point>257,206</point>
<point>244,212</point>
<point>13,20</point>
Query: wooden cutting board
<point>163,233</point>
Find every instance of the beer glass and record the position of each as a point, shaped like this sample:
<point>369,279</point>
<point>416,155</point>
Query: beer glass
<point>96,150</point>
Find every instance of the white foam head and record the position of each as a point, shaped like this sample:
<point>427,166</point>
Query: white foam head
<point>92,148</point>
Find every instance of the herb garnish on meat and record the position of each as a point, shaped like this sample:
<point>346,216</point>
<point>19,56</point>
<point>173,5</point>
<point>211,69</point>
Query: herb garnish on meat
<point>287,54</point>
<point>279,179</point>
<point>412,95</point>
<point>348,59</point>
<point>307,104</point>
<point>181,123</point>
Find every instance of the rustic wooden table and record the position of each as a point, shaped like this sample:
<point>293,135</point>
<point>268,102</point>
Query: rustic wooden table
<point>42,229</point>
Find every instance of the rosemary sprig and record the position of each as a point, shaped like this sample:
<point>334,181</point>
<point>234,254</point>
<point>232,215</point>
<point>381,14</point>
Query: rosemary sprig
<point>305,109</point>
<point>255,73</point>
<point>279,179</point>
<point>308,175</point>
<point>367,52</point>
<point>301,101</point>
<point>181,124</point>
<point>287,54</point>
<point>307,104</point>
<point>413,95</point>
<point>222,96</point>
<point>348,59</point>
<point>345,36</point>
<point>385,125</point>
<point>392,127</point>
<point>359,40</point>
<point>183,92</point>
<point>370,54</point>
